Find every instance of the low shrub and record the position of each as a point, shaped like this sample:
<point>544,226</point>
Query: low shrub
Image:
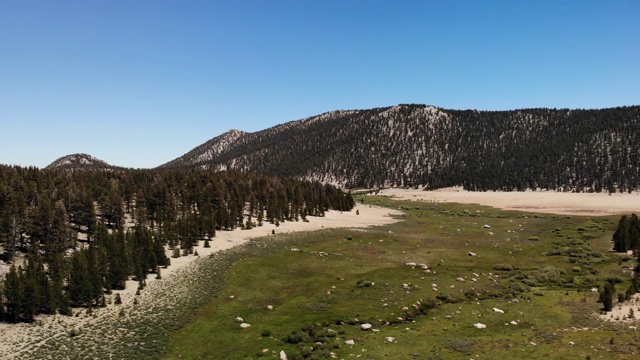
<point>503,267</point>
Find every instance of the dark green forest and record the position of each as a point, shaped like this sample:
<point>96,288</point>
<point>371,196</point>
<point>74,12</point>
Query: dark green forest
<point>409,145</point>
<point>78,235</point>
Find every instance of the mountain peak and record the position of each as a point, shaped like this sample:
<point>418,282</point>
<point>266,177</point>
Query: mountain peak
<point>79,161</point>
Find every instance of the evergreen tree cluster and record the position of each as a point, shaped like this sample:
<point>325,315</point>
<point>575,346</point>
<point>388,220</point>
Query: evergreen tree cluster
<point>84,233</point>
<point>625,238</point>
<point>627,235</point>
<point>409,145</point>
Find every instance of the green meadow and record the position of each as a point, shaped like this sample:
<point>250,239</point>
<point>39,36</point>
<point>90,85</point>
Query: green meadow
<point>309,294</point>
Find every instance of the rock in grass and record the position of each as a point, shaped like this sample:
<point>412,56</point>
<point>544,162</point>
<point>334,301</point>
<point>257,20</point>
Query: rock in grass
<point>390,339</point>
<point>239,320</point>
<point>365,326</point>
<point>480,326</point>
<point>471,253</point>
<point>498,311</point>
<point>283,355</point>
<point>245,325</point>
<point>350,342</point>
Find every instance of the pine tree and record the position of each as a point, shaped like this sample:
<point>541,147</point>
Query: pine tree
<point>80,286</point>
<point>606,297</point>
<point>13,294</point>
<point>2,312</point>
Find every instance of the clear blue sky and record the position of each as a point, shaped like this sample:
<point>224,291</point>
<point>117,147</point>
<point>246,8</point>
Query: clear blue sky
<point>138,83</point>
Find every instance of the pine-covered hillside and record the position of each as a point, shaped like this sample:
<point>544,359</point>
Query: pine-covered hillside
<point>408,145</point>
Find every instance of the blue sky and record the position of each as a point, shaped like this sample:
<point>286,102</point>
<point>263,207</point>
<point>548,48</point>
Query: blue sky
<point>139,83</point>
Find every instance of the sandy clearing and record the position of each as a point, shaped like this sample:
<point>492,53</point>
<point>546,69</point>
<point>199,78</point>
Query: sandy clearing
<point>621,312</point>
<point>550,202</point>
<point>15,339</point>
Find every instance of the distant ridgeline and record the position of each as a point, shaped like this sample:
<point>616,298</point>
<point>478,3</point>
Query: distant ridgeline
<point>408,145</point>
<point>47,213</point>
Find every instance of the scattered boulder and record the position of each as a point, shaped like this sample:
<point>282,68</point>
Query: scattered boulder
<point>366,326</point>
<point>498,311</point>
<point>480,326</point>
<point>350,342</point>
<point>411,264</point>
<point>486,226</point>
<point>283,355</point>
<point>594,289</point>
<point>471,253</point>
<point>513,322</point>
<point>390,339</point>
<point>239,320</point>
<point>460,279</point>
<point>245,325</point>
<point>269,307</point>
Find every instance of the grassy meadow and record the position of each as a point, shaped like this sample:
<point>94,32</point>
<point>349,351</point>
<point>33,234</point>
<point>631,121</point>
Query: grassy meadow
<point>307,294</point>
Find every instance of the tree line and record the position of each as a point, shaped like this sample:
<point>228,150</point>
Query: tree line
<point>78,235</point>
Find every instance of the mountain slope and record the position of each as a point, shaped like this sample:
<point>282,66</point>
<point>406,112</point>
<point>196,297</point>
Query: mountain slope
<point>79,161</point>
<point>580,150</point>
<point>207,151</point>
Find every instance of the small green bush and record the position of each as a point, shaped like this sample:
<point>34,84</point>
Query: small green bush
<point>464,346</point>
<point>503,267</point>
<point>295,337</point>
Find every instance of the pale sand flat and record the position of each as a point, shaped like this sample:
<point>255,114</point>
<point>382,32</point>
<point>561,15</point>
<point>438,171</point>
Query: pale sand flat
<point>550,202</point>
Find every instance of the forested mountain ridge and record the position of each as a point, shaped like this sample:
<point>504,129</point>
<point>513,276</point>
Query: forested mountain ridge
<point>407,145</point>
<point>79,161</point>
